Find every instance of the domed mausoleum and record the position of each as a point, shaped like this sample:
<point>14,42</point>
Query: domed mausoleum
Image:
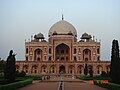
<point>62,53</point>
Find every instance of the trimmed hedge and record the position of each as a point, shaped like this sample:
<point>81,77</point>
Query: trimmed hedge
<point>111,86</point>
<point>15,85</point>
<point>87,78</point>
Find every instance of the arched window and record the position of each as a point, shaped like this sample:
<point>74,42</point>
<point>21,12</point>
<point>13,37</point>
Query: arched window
<point>79,58</point>
<point>44,69</point>
<point>38,52</point>
<point>71,69</point>
<point>38,59</point>
<point>49,58</point>
<point>86,52</point>
<point>45,57</point>
<point>62,51</point>
<point>26,50</point>
<point>99,69</point>
<point>66,58</point>
<point>66,51</point>
<point>74,50</point>
<point>57,51</point>
<point>62,58</point>
<point>108,69</point>
<point>49,50</point>
<point>86,59</point>
<point>98,51</point>
<point>75,58</point>
<point>34,69</point>
<point>17,68</point>
<point>98,58</point>
<point>25,69</point>
<point>80,69</point>
<point>27,58</point>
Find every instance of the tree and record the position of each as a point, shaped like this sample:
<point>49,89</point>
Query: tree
<point>2,66</point>
<point>115,63</point>
<point>10,67</point>
<point>86,70</point>
<point>91,72</point>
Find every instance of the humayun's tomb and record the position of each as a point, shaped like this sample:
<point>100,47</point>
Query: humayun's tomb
<point>62,53</point>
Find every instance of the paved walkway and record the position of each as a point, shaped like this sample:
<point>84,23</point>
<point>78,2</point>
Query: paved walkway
<point>69,84</point>
<point>41,86</point>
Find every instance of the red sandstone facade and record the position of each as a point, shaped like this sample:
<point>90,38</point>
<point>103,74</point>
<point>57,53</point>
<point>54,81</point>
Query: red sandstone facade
<point>62,53</point>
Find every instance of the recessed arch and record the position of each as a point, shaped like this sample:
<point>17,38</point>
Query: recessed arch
<point>80,69</point>
<point>25,68</point>
<point>17,67</point>
<point>99,69</point>
<point>38,54</point>
<point>34,69</point>
<point>108,68</point>
<point>53,69</point>
<point>62,52</point>
<point>71,69</point>
<point>86,54</point>
<point>62,69</point>
<point>43,69</point>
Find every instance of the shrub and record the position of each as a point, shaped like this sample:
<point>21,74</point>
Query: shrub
<point>20,74</point>
<point>111,86</point>
<point>15,85</point>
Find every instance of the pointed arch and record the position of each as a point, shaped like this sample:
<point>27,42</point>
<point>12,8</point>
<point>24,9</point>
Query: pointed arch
<point>38,55</point>
<point>71,69</point>
<point>62,69</point>
<point>99,69</point>
<point>80,69</point>
<point>62,52</point>
<point>44,69</point>
<point>86,54</point>
<point>34,69</point>
<point>25,68</point>
<point>17,67</point>
<point>53,69</point>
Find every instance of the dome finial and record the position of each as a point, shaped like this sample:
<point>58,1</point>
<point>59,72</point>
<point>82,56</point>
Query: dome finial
<point>62,17</point>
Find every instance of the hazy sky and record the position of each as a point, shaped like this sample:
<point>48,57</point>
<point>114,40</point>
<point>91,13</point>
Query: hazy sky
<point>19,19</point>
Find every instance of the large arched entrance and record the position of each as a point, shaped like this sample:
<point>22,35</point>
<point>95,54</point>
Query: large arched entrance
<point>62,69</point>
<point>62,52</point>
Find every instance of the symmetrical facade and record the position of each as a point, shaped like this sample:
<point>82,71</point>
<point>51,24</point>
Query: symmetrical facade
<point>62,53</point>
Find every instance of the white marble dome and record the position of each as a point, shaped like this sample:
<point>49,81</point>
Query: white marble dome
<point>62,27</point>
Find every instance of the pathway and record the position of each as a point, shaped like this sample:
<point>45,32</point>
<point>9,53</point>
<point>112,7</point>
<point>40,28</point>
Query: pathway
<point>69,84</point>
<point>76,84</point>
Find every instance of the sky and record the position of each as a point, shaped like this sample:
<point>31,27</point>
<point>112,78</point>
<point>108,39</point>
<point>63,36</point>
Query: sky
<point>19,19</point>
